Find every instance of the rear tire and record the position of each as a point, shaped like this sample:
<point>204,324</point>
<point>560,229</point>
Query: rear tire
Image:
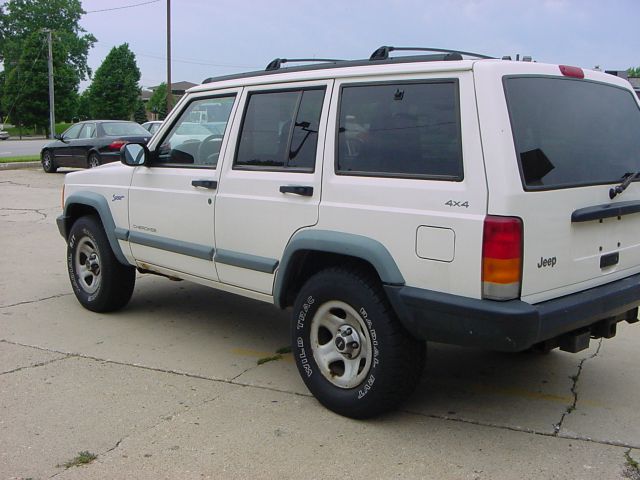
<point>100,282</point>
<point>93,160</point>
<point>48,162</point>
<point>350,349</point>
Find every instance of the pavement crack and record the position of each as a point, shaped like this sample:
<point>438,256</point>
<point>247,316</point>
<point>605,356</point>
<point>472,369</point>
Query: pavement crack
<point>160,370</point>
<point>35,365</point>
<point>529,431</point>
<point>16,184</point>
<point>574,390</point>
<point>26,302</point>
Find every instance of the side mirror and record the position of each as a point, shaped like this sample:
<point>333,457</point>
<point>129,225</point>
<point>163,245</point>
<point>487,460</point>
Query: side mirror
<point>134,154</point>
<point>57,136</point>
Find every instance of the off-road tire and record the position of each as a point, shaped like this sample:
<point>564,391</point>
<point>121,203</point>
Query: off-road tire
<point>48,162</point>
<point>100,282</point>
<point>396,360</point>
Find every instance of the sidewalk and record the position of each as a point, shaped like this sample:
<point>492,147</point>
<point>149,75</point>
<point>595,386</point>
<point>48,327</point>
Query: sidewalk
<point>18,165</point>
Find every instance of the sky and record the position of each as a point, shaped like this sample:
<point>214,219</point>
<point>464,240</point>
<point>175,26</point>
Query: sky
<point>218,37</point>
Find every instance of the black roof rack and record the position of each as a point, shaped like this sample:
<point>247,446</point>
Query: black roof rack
<point>382,53</point>
<point>380,56</point>
<point>276,63</point>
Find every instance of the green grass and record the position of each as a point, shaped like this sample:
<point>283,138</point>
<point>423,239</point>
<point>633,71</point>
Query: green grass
<point>25,158</point>
<point>81,459</point>
<point>14,132</point>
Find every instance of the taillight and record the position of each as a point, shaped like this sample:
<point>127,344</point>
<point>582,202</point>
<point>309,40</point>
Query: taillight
<point>569,71</point>
<point>116,145</point>
<point>501,258</point>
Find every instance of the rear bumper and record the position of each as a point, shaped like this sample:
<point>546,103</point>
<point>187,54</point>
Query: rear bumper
<point>513,325</point>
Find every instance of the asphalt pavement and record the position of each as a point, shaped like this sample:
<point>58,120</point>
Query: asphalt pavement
<point>18,148</point>
<point>170,387</point>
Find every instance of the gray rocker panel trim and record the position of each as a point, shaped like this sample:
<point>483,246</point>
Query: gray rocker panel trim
<point>341,243</point>
<point>203,252</point>
<point>245,260</point>
<point>99,203</point>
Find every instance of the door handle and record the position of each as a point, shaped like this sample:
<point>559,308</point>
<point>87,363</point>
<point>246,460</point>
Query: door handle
<point>303,190</point>
<point>211,184</point>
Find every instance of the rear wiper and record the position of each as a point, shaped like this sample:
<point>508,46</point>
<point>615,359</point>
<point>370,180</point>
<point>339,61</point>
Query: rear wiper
<point>618,189</point>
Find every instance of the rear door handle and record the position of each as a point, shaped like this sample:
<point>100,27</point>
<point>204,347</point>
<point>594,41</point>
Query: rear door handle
<point>211,184</point>
<point>303,190</point>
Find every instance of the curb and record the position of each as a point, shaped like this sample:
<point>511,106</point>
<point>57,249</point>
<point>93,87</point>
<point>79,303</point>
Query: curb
<point>18,165</point>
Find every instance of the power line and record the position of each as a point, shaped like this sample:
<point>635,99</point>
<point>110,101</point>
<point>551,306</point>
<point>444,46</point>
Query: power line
<point>123,7</point>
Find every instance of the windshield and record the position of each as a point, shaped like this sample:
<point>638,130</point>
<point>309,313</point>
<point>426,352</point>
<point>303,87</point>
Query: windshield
<point>113,129</point>
<point>571,133</point>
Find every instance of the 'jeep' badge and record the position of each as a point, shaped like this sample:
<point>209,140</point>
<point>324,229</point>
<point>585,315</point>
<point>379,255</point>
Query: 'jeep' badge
<point>547,262</point>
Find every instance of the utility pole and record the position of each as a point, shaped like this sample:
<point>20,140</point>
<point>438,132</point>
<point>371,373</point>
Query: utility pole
<point>52,108</point>
<point>169,96</point>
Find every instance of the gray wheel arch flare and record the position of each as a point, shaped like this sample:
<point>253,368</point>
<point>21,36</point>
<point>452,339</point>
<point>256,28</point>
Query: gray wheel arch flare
<point>358,246</point>
<point>100,205</point>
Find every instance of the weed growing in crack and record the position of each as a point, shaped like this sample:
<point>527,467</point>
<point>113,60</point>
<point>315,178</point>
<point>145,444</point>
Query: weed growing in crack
<point>82,458</point>
<point>283,350</point>
<point>269,359</point>
<point>631,468</point>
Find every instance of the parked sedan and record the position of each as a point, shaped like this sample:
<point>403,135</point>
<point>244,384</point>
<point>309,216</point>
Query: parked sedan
<point>4,135</point>
<point>152,126</point>
<point>90,144</point>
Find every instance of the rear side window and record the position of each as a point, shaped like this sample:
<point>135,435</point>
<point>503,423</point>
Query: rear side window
<point>572,132</point>
<point>400,129</point>
<point>280,130</point>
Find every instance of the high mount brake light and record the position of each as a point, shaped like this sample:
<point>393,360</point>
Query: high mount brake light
<point>501,258</point>
<point>569,71</point>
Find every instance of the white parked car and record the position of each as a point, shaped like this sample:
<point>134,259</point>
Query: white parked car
<point>4,135</point>
<point>444,197</point>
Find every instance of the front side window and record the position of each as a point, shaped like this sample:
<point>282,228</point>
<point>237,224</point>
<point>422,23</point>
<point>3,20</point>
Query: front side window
<point>400,130</point>
<point>572,132</point>
<point>88,131</point>
<point>73,132</point>
<point>280,130</point>
<point>195,139</point>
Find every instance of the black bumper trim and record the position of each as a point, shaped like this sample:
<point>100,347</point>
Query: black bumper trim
<point>512,325</point>
<point>61,221</point>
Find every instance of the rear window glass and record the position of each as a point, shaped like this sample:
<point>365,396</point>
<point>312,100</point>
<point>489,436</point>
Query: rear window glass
<point>112,129</point>
<point>572,132</point>
<point>400,129</point>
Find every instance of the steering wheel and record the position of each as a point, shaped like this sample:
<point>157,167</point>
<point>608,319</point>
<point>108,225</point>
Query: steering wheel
<point>209,150</point>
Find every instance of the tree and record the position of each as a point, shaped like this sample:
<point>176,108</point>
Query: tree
<point>140,115</point>
<point>26,88</point>
<point>633,72</point>
<point>158,101</point>
<point>24,55</point>
<point>20,19</point>
<point>115,90</point>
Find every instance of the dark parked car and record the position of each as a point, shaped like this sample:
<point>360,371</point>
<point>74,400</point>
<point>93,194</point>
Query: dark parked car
<point>90,144</point>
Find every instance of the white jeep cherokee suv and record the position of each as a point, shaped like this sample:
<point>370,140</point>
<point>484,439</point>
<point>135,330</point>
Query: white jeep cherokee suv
<point>472,201</point>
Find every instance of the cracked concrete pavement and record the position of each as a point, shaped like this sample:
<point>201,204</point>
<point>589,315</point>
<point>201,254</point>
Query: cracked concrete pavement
<point>170,387</point>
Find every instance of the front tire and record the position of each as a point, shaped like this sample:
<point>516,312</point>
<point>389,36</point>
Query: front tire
<point>48,163</point>
<point>100,282</point>
<point>350,349</point>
